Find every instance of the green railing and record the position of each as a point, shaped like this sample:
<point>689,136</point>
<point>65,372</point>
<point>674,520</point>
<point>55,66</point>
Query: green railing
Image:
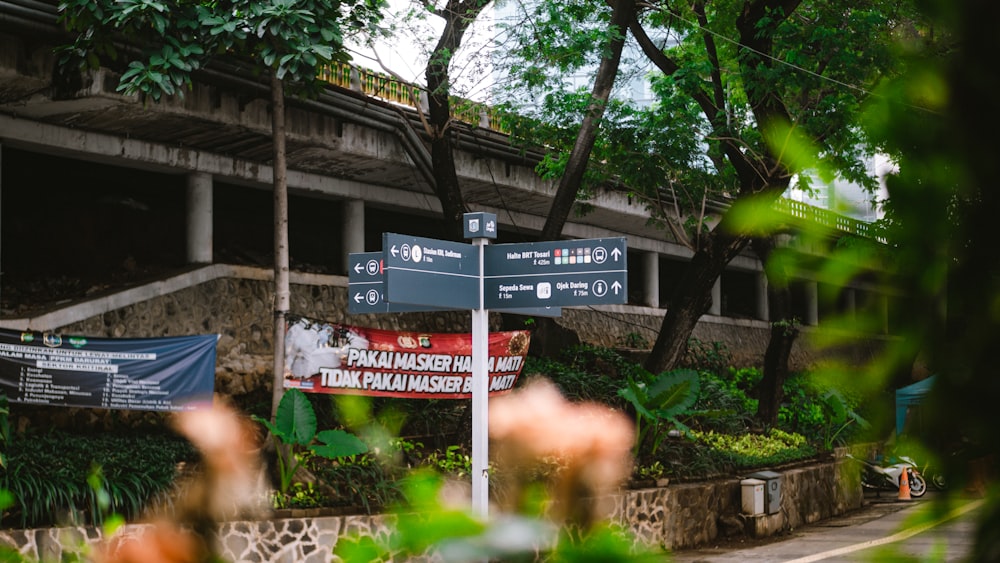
<point>385,87</point>
<point>824,217</point>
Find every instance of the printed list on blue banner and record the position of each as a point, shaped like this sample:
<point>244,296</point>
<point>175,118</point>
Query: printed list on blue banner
<point>150,374</point>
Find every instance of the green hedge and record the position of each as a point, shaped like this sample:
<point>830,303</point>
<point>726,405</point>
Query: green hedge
<point>62,478</point>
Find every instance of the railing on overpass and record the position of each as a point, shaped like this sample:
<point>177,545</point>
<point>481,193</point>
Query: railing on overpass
<point>389,88</point>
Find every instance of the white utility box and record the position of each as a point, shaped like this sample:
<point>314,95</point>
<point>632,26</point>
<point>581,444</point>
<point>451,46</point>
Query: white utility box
<point>753,496</point>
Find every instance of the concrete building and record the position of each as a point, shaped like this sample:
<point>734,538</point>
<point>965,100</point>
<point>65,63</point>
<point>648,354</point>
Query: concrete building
<point>99,184</point>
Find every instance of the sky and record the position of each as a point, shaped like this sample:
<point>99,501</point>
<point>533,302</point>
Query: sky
<point>405,53</point>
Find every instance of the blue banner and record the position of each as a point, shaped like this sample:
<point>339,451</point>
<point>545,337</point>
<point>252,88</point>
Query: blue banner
<point>149,374</point>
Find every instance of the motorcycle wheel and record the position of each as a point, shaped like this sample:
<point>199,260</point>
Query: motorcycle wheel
<point>917,485</point>
<point>937,479</point>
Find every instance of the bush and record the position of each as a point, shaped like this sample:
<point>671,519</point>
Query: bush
<point>52,476</point>
<point>722,406</point>
<point>748,451</point>
<point>806,410</point>
<point>586,373</point>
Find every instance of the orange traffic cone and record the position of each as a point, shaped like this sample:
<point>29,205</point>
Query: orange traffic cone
<point>904,485</point>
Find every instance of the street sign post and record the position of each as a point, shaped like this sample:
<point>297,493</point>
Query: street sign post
<point>438,273</point>
<point>366,287</point>
<point>560,273</point>
<point>422,274</point>
<point>366,291</point>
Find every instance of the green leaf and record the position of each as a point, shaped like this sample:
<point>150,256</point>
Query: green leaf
<point>337,443</point>
<point>674,392</point>
<point>296,418</point>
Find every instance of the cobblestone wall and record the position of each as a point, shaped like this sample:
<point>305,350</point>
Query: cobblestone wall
<point>673,517</point>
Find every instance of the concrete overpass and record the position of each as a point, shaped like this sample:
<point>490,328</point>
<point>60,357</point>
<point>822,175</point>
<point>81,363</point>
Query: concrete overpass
<point>358,147</point>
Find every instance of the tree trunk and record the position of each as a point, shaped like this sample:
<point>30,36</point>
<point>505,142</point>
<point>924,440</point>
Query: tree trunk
<point>784,330</point>
<point>692,297</point>
<point>282,299</point>
<point>569,184</point>
<point>458,17</point>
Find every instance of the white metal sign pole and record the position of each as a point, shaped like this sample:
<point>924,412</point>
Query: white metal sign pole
<point>480,397</point>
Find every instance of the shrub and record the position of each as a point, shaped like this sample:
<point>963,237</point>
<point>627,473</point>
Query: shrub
<point>820,412</point>
<point>49,474</point>
<point>746,451</point>
<point>722,406</point>
<point>586,373</point>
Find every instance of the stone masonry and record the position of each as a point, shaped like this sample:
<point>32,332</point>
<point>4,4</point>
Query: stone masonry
<point>671,517</point>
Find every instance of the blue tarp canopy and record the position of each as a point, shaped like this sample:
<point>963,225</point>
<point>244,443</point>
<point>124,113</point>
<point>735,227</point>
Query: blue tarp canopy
<point>910,396</point>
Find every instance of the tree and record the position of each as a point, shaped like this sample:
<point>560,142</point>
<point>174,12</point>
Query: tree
<point>623,12</point>
<point>458,16</point>
<point>748,93</point>
<point>784,330</point>
<point>166,44</point>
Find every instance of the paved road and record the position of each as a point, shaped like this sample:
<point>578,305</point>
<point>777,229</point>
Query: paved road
<point>885,530</point>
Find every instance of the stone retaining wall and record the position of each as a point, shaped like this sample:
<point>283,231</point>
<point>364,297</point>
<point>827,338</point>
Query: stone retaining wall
<point>239,308</point>
<point>673,517</point>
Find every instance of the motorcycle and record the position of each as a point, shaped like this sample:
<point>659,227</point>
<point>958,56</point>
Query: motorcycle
<point>879,478</point>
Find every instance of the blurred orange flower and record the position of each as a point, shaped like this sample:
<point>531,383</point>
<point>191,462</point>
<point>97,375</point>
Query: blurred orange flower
<point>591,442</point>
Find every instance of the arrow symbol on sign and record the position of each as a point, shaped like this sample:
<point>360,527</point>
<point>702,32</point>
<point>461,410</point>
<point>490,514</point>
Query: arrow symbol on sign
<point>358,298</point>
<point>393,250</point>
<point>615,253</point>
<point>617,287</point>
<point>357,268</point>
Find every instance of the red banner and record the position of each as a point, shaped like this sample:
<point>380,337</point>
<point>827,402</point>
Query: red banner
<point>334,358</point>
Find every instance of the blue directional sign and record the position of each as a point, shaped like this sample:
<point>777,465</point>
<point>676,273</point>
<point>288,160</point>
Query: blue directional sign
<point>436,273</point>
<point>558,273</point>
<point>366,287</point>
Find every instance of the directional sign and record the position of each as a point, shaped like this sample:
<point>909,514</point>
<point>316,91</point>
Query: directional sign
<point>559,273</point>
<point>366,287</point>
<point>423,271</point>
<point>366,291</point>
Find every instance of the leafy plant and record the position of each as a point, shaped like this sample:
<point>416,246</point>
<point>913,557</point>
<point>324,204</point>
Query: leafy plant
<point>362,481</point>
<point>295,428</point>
<point>721,406</point>
<point>750,450</point>
<point>301,495</point>
<point>838,418</point>
<point>586,373</point>
<point>654,470</point>
<point>659,403</point>
<point>57,477</point>
<point>451,462</point>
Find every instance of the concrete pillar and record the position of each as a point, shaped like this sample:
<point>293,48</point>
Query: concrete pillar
<point>883,302</point>
<point>716,308</point>
<point>812,303</point>
<point>763,304</point>
<point>651,281</point>
<point>353,225</point>
<point>850,303</point>
<point>199,218</point>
